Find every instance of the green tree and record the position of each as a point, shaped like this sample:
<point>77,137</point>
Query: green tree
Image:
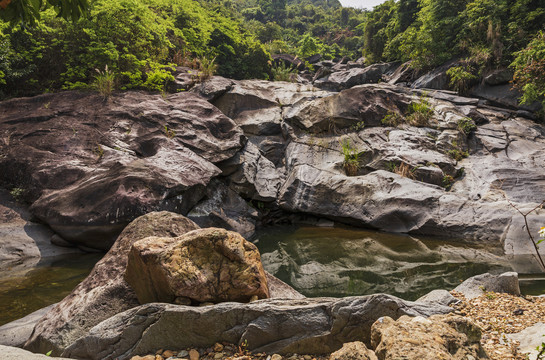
<point>28,11</point>
<point>529,66</point>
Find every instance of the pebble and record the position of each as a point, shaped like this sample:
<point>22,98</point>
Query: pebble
<point>183,354</point>
<point>218,356</point>
<point>218,347</point>
<point>276,357</point>
<point>254,298</point>
<point>168,353</point>
<point>307,357</point>
<point>193,354</point>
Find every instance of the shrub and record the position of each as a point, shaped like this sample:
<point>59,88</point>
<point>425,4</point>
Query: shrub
<point>351,161</point>
<point>447,181</point>
<point>461,78</point>
<point>466,126</point>
<point>392,119</point>
<point>529,66</point>
<point>281,72</point>
<point>420,113</point>
<point>207,68</point>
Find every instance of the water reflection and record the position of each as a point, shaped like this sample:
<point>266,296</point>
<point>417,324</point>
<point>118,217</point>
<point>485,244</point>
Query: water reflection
<point>343,262</point>
<point>26,289</point>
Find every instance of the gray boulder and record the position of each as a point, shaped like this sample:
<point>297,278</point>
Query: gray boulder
<point>442,297</point>
<point>345,79</point>
<point>315,326</point>
<point>477,285</point>
<point>498,77</point>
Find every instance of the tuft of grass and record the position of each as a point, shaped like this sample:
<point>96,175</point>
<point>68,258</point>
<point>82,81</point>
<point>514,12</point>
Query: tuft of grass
<point>466,126</point>
<point>169,132</point>
<point>281,72</point>
<point>207,68</point>
<point>447,181</point>
<point>351,161</point>
<point>392,119</point>
<point>104,81</point>
<point>420,112</point>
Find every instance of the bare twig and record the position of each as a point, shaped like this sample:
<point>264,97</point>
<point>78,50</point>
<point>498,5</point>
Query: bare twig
<point>525,215</point>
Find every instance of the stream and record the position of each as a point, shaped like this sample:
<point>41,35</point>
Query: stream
<point>314,260</point>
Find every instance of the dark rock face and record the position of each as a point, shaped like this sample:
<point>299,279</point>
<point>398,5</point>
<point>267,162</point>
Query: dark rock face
<point>318,325</point>
<point>91,165</point>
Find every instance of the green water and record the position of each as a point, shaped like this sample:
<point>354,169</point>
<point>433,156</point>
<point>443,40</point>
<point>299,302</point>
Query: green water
<point>316,261</point>
<point>344,261</point>
<point>24,291</point>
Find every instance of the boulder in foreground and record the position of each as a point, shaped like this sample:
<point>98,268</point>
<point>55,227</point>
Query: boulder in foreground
<point>439,337</point>
<point>306,326</point>
<point>206,265</point>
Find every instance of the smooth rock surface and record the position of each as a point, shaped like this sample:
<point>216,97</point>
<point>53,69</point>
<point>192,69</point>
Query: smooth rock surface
<point>417,338</point>
<point>17,332</point>
<point>13,353</point>
<point>90,166</point>
<point>442,297</point>
<point>529,339</point>
<point>205,265</point>
<point>319,325</point>
<point>477,285</point>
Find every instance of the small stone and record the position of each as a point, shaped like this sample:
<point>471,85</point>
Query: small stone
<point>183,354</point>
<point>518,312</point>
<point>159,352</point>
<point>218,356</point>
<point>168,353</point>
<point>254,298</point>
<point>136,357</point>
<point>218,347</point>
<point>307,357</point>
<point>206,304</point>
<point>193,354</point>
<point>180,300</point>
<point>159,357</point>
<point>149,357</point>
<point>276,357</point>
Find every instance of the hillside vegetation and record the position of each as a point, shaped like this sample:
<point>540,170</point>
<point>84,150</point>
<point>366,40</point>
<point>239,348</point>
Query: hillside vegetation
<point>139,42</point>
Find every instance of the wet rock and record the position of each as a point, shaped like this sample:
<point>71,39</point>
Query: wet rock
<point>90,166</point>
<point>436,78</point>
<point>104,292</point>
<point>207,265</point>
<point>353,351</point>
<point>438,337</point>
<point>276,326</point>
<point>502,95</point>
<point>477,285</point>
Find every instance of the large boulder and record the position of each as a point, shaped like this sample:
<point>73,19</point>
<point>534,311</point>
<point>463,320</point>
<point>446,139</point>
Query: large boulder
<point>207,265</point>
<point>438,337</point>
<point>257,105</point>
<point>345,79</point>
<point>479,284</point>
<point>91,165</point>
<point>104,292</point>
<point>365,103</point>
<point>305,326</point>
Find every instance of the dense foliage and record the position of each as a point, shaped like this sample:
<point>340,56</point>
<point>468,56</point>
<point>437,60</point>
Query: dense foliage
<point>140,40</point>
